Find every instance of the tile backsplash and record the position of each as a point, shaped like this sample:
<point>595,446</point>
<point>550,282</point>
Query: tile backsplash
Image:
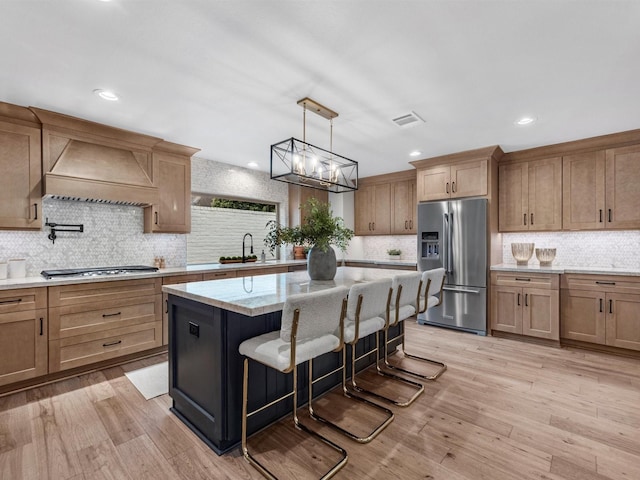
<point>619,248</point>
<point>112,236</point>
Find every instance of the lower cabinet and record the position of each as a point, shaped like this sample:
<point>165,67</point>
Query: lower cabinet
<point>91,322</point>
<point>173,280</point>
<point>604,310</point>
<point>23,334</point>
<point>525,304</point>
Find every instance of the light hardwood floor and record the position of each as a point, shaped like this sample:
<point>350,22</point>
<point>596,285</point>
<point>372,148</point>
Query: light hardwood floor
<point>503,410</point>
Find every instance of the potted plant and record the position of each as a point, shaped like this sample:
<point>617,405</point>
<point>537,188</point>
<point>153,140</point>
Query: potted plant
<point>394,253</point>
<point>318,231</point>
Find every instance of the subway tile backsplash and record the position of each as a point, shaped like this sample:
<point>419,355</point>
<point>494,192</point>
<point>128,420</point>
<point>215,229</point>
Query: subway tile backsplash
<point>581,249</point>
<point>112,236</point>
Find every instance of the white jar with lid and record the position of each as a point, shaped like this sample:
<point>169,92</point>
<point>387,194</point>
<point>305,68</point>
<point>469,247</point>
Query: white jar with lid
<point>17,268</point>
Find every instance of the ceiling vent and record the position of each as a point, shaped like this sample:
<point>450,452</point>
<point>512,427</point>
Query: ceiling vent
<point>408,120</point>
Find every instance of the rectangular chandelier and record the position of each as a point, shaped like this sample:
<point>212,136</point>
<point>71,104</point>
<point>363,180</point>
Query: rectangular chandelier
<point>298,162</point>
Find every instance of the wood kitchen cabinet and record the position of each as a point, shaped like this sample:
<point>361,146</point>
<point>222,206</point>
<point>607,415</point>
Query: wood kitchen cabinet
<point>603,310</point>
<point>23,334</point>
<point>95,321</point>
<point>373,209</point>
<point>600,189</point>
<point>21,166</point>
<point>298,197</point>
<point>403,207</point>
<point>525,304</point>
<point>530,195</point>
<point>172,177</point>
<point>465,179</point>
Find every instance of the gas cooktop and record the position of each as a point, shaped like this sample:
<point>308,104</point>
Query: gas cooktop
<point>96,271</point>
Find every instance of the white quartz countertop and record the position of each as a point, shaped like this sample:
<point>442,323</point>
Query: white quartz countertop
<point>262,294</point>
<point>390,263</point>
<point>39,281</point>
<point>510,267</point>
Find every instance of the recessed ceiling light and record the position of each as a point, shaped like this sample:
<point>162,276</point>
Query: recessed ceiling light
<point>415,153</point>
<point>526,121</point>
<point>107,95</point>
<point>252,165</point>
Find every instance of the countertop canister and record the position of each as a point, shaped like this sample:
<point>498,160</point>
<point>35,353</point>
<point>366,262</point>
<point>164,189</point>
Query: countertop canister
<point>17,268</point>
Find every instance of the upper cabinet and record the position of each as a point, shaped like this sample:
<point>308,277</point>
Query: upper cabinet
<point>386,204</point>
<point>530,195</point>
<point>172,176</point>
<point>601,189</point>
<point>21,166</point>
<point>464,174</point>
<point>298,196</point>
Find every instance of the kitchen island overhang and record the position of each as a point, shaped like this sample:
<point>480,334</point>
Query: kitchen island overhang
<point>208,321</point>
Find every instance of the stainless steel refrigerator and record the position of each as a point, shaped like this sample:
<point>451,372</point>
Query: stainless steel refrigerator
<point>453,235</point>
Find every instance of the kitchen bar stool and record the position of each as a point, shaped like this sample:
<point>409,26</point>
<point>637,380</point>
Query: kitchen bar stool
<point>405,304</point>
<point>362,319</point>
<point>367,313</point>
<point>311,326</point>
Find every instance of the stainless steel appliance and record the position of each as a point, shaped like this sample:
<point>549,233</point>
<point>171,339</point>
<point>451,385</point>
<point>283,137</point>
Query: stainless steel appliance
<point>96,271</point>
<point>453,235</point>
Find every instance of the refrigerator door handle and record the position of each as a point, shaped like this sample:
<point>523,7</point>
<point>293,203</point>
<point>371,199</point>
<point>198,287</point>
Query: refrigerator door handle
<point>461,290</point>
<point>450,246</point>
<point>445,242</point>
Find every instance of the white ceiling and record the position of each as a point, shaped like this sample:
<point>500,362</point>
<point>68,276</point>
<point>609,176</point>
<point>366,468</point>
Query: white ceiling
<point>225,76</point>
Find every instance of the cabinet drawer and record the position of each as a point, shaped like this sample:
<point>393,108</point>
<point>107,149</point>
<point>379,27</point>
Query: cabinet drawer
<point>263,271</point>
<point>81,319</point>
<point>219,275</point>
<point>190,277</point>
<point>22,299</point>
<point>601,283</point>
<point>529,280</point>
<point>85,349</point>
<point>64,295</point>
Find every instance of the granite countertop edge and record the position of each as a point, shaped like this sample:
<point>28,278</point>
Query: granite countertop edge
<point>559,269</point>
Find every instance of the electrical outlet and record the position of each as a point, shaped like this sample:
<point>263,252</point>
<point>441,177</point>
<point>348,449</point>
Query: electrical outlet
<point>194,329</point>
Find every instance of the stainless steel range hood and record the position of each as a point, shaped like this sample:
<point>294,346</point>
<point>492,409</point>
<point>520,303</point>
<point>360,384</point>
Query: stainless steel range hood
<point>87,161</point>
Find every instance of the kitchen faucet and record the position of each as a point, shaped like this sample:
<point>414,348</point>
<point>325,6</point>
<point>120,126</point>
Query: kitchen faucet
<point>244,259</point>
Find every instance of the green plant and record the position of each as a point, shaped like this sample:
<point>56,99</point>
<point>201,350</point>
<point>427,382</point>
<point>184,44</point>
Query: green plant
<point>319,228</point>
<point>394,251</point>
<point>222,258</point>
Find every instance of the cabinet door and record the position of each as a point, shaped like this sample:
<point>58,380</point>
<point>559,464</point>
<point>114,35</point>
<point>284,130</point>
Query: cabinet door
<point>434,183</point>
<point>172,280</point>
<point>583,317</point>
<point>623,320</point>
<point>23,345</point>
<point>545,194</point>
<point>622,187</point>
<point>469,179</point>
<point>513,192</point>
<point>172,176</point>
<point>403,207</point>
<point>540,313</point>
<point>364,210</point>
<point>382,212</point>
<point>506,309</point>
<point>583,191</point>
<point>298,197</point>
<point>20,182</point>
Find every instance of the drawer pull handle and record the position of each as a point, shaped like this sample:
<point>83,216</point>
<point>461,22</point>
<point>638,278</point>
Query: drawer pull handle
<point>605,283</point>
<point>531,219</point>
<point>406,222</point>
<point>610,306</point>
<point>35,209</point>
<point>610,219</point>
<point>15,300</point>
<point>219,274</point>
<point>111,344</point>
<point>525,218</point>
<point>446,188</point>
<point>600,215</point>
<point>105,315</point>
<point>453,187</point>
<point>526,299</point>
<point>518,299</point>
<point>523,279</point>
<point>166,306</point>
<point>41,326</point>
<point>600,305</point>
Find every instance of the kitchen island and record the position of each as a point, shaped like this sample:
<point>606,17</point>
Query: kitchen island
<point>207,323</point>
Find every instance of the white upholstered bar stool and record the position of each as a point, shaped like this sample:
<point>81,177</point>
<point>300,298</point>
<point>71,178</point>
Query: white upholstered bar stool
<point>362,319</point>
<point>368,313</point>
<point>311,326</point>
<point>405,303</point>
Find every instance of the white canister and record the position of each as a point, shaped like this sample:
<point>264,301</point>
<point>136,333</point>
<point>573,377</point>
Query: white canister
<point>3,271</point>
<point>17,268</point>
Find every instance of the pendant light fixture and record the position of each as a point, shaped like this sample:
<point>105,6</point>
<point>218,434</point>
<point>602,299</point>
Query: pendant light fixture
<point>298,162</point>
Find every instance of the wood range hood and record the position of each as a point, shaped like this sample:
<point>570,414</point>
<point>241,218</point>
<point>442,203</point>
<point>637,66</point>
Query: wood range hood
<point>87,161</point>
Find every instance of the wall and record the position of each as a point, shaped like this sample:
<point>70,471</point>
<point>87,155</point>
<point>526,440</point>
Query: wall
<point>217,232</point>
<point>112,236</point>
<point>583,249</point>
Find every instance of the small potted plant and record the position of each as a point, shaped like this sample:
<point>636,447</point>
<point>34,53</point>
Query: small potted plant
<point>394,253</point>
